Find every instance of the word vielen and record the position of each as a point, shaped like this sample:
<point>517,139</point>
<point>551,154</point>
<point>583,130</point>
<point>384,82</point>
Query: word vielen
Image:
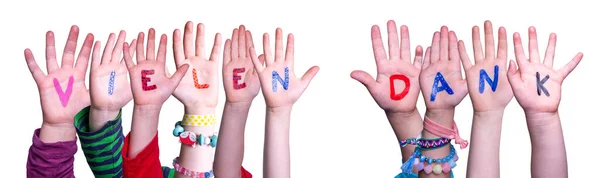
<point>284,82</point>
<point>439,79</point>
<point>404,92</point>
<point>484,77</point>
<point>64,95</point>
<point>237,77</point>
<point>146,79</point>
<point>196,84</point>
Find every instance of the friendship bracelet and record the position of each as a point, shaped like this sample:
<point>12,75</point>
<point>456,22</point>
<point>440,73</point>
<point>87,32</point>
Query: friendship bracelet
<point>444,132</point>
<point>431,144</point>
<point>198,120</point>
<point>190,138</point>
<point>191,173</point>
<point>437,166</point>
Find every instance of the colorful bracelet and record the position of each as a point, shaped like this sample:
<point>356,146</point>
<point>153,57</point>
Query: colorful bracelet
<point>437,166</point>
<point>190,138</point>
<point>432,144</point>
<point>410,141</point>
<point>198,120</point>
<point>191,173</point>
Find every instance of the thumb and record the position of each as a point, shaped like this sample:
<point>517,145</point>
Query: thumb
<point>309,75</point>
<point>176,78</point>
<point>513,76</point>
<point>362,77</point>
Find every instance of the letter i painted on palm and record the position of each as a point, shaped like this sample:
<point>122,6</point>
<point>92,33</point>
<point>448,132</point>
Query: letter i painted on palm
<point>146,79</point>
<point>284,82</point>
<point>196,84</point>
<point>484,77</point>
<point>237,77</point>
<point>111,83</point>
<point>64,95</point>
<point>439,79</point>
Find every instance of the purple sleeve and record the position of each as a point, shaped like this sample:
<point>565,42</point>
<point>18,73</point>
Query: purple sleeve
<point>51,159</point>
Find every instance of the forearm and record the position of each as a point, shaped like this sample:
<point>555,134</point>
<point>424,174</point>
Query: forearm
<point>405,126</point>
<point>99,117</point>
<point>277,144</point>
<point>144,127</point>
<point>484,153</point>
<point>445,118</point>
<point>548,154</point>
<point>199,158</point>
<point>230,152</point>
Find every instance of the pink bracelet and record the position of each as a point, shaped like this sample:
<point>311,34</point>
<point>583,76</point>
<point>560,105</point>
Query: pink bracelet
<point>191,173</point>
<point>442,131</point>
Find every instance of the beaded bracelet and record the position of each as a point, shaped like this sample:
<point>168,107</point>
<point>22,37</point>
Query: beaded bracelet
<point>191,173</point>
<point>190,138</point>
<point>437,166</point>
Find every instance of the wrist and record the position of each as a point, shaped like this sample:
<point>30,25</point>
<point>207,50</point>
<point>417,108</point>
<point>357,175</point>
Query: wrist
<point>238,105</point>
<point>199,110</point>
<point>444,117</point>
<point>491,116</point>
<point>402,115</point>
<point>52,133</point>
<point>541,119</point>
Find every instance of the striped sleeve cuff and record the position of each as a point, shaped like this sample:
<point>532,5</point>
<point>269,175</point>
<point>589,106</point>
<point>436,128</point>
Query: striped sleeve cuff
<point>102,148</point>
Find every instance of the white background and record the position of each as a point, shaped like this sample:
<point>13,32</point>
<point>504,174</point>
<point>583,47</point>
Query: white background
<point>337,129</point>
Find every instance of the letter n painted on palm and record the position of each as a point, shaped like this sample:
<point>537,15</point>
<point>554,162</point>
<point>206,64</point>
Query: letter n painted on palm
<point>484,77</point>
<point>439,84</point>
<point>285,82</point>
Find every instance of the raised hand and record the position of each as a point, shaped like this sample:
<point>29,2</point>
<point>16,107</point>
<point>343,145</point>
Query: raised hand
<point>396,88</point>
<point>441,79</point>
<point>150,83</point>
<point>62,91</point>
<point>109,88</point>
<point>199,86</point>
<point>487,80</point>
<point>240,79</point>
<point>280,86</point>
<point>537,85</point>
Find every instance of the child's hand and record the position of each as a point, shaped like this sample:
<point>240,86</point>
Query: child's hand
<point>109,88</point>
<point>396,88</point>
<point>240,79</point>
<point>536,85</point>
<point>199,87</point>
<point>62,92</point>
<point>280,86</point>
<point>441,79</point>
<point>488,84</point>
<point>149,81</point>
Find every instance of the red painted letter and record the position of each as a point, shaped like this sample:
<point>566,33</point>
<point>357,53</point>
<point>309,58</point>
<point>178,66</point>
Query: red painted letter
<point>198,86</point>
<point>146,79</point>
<point>237,78</point>
<point>404,92</point>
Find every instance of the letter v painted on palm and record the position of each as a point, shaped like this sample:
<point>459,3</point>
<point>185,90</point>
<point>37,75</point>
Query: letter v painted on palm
<point>64,95</point>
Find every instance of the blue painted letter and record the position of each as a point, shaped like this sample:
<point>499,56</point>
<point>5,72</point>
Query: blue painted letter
<point>439,78</point>
<point>484,77</point>
<point>284,82</point>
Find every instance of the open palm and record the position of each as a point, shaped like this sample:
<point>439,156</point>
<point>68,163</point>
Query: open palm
<point>199,86</point>
<point>240,79</point>
<point>442,63</point>
<point>392,93</point>
<point>149,82</point>
<point>280,86</point>
<point>531,74</point>
<point>109,87</point>
<point>62,91</point>
<point>496,94</point>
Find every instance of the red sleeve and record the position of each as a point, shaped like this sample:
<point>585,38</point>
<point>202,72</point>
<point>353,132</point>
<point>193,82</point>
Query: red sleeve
<point>245,174</point>
<point>144,165</point>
